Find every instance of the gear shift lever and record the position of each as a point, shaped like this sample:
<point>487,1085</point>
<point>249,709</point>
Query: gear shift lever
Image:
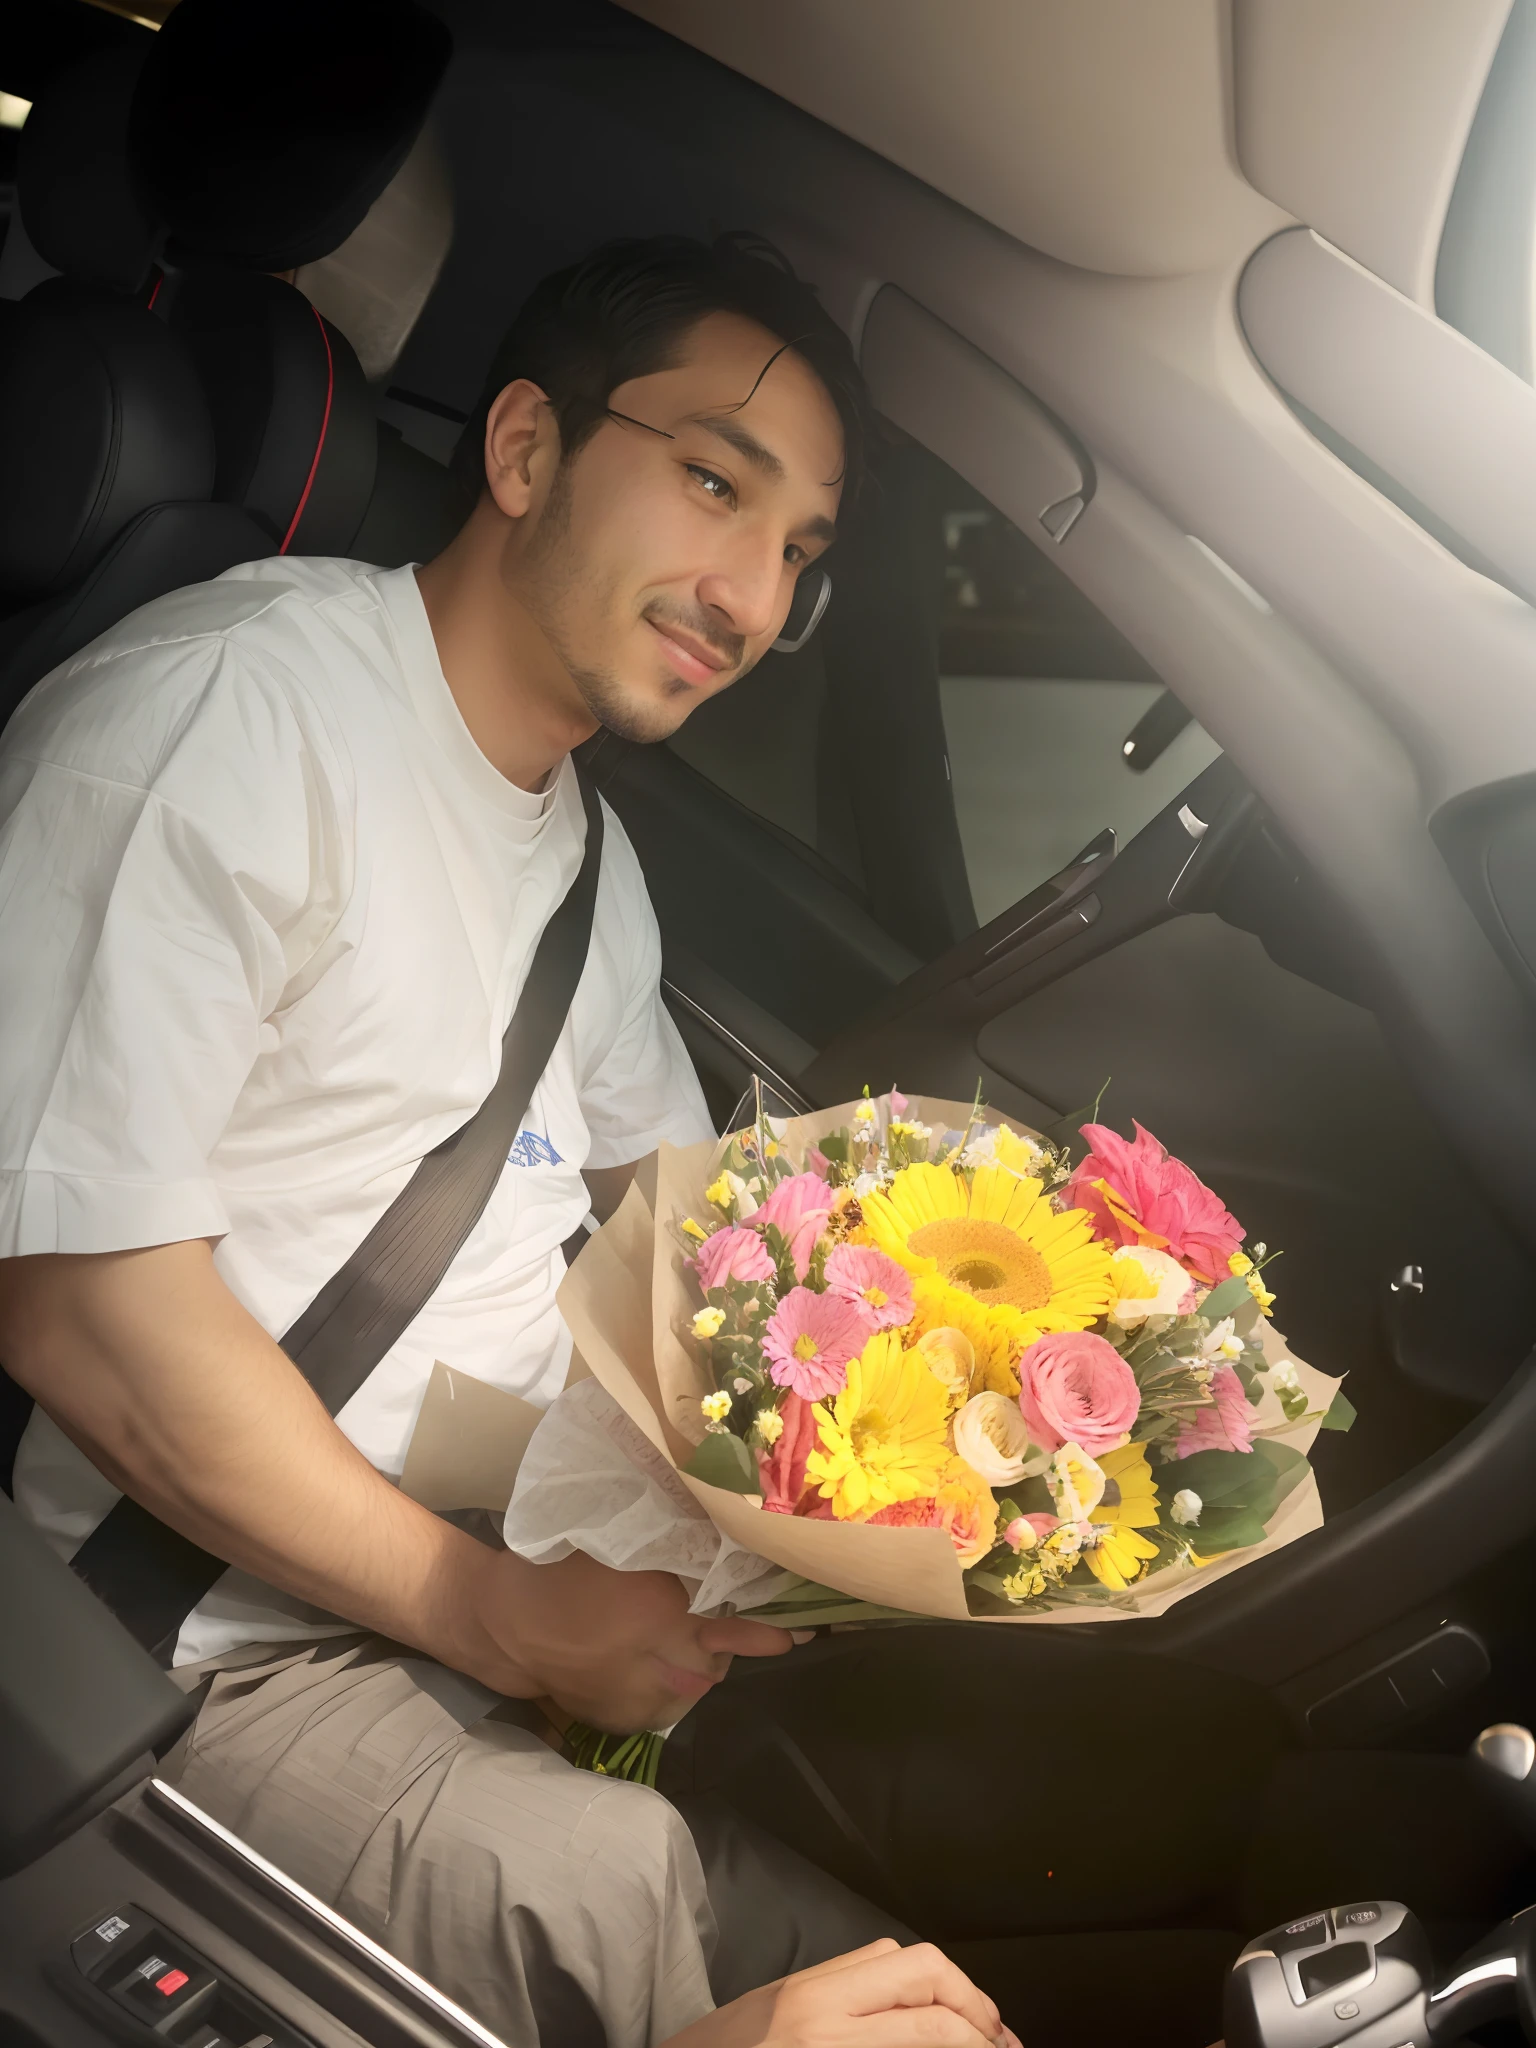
<point>1505,1755</point>
<point>1359,1975</point>
<point>1350,1973</point>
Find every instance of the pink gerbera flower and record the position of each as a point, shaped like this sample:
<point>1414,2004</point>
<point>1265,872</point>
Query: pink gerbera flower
<point>798,1209</point>
<point>733,1254</point>
<point>1137,1193</point>
<point>810,1339</point>
<point>859,1273</point>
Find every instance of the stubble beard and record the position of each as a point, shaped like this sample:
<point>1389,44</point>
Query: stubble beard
<point>555,591</point>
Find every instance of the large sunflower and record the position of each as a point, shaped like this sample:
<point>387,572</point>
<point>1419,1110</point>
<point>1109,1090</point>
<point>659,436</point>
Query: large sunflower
<point>1121,1554</point>
<point>1000,1242</point>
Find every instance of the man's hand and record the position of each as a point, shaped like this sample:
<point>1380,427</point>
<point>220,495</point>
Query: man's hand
<point>882,1996</point>
<point>617,1649</point>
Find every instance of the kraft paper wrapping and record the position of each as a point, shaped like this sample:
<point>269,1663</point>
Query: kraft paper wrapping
<point>629,1300</point>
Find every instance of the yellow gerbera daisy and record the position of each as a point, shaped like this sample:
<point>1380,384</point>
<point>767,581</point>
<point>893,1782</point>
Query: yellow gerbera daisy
<point>937,1306</point>
<point>1122,1555</point>
<point>999,1241</point>
<point>884,1438</point>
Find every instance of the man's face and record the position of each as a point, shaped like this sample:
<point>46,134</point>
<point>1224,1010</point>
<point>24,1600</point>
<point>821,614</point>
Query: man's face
<point>660,565</point>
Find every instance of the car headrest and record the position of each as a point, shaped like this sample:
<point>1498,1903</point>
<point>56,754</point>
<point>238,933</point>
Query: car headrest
<point>263,130</point>
<point>101,417</point>
<point>72,174</point>
<point>293,420</point>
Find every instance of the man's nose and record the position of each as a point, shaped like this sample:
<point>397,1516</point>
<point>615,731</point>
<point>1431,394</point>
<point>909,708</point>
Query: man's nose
<point>747,592</point>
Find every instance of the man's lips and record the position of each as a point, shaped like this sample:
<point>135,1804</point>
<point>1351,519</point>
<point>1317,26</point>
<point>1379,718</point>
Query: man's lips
<point>689,1685</point>
<point>694,660</point>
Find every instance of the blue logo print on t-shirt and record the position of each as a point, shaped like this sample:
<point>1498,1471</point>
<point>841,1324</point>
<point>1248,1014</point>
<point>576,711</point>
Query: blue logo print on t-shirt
<point>529,1149</point>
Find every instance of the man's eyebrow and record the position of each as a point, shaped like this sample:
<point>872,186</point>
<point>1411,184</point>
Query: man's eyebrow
<point>764,460</point>
<point>745,443</point>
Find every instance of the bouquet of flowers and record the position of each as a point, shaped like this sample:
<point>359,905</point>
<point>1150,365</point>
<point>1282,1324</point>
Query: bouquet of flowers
<point>931,1363</point>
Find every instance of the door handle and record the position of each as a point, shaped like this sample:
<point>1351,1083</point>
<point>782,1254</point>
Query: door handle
<point>1041,936</point>
<point>1048,915</point>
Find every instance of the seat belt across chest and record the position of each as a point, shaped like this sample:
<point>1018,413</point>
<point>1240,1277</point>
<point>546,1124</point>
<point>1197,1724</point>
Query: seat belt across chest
<point>150,1576</point>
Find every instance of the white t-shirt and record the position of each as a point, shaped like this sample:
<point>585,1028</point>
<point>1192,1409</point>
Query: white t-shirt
<point>265,910</point>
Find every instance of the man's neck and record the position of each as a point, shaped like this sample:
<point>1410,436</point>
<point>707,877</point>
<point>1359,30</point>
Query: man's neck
<point>511,691</point>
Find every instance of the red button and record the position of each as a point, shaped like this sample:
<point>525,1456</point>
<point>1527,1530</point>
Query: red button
<point>171,1982</point>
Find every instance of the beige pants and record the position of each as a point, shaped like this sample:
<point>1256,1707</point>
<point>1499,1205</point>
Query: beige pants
<point>547,1901</point>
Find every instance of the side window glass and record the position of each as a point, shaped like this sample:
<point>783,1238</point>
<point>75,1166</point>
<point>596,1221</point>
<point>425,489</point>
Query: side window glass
<point>1055,725</point>
<point>954,649</point>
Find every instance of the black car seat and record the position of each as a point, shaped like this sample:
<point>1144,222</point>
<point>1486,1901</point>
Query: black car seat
<point>106,449</point>
<point>261,133</point>
<point>72,191</point>
<point>293,421</point>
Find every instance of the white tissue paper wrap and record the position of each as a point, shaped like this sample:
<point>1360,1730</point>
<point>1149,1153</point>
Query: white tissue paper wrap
<point>589,1480</point>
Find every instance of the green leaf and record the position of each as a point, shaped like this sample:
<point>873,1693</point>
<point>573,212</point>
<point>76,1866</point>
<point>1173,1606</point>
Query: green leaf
<point>1219,1476</point>
<point>723,1460</point>
<point>1341,1413</point>
<point>1289,1465</point>
<point>1226,1299</point>
<point>1226,1528</point>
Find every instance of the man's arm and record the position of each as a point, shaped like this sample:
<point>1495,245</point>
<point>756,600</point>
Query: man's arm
<point>149,1364</point>
<point>608,1185</point>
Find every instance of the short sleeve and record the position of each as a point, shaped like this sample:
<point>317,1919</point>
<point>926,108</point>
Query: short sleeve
<point>640,1088</point>
<point>163,836</point>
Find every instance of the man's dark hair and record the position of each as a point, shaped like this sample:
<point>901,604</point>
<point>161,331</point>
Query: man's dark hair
<point>627,310</point>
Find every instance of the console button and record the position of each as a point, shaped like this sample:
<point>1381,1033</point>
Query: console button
<point>1357,1916</point>
<point>161,1984</point>
<point>1347,2009</point>
<point>1306,1933</point>
<point>114,1934</point>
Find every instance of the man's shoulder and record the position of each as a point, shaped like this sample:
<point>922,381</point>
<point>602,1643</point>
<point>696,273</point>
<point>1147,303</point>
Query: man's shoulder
<point>260,641</point>
<point>268,606</point>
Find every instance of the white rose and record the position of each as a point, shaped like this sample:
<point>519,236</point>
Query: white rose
<point>1076,1483</point>
<point>1186,1506</point>
<point>746,1201</point>
<point>993,1438</point>
<point>1170,1285</point>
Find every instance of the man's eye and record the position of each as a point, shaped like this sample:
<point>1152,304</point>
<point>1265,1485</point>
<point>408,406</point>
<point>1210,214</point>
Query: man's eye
<point>796,556</point>
<point>716,486</point>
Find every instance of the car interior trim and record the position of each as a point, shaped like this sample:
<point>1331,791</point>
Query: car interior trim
<point>228,1848</point>
<point>325,421</point>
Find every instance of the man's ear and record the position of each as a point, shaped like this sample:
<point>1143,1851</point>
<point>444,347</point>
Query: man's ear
<point>521,440</point>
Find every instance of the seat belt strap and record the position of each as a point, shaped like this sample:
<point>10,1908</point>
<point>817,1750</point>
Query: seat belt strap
<point>150,1576</point>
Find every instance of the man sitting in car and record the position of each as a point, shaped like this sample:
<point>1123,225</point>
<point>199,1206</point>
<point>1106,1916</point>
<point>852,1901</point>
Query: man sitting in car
<point>275,856</point>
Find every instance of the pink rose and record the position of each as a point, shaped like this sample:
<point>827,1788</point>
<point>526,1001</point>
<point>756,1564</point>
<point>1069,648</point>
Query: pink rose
<point>798,1209</point>
<point>733,1254</point>
<point>1226,1427</point>
<point>1074,1388</point>
<point>1137,1194</point>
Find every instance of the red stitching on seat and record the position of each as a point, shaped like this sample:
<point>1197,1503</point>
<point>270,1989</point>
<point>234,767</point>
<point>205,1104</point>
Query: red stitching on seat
<point>325,421</point>
<point>149,304</point>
